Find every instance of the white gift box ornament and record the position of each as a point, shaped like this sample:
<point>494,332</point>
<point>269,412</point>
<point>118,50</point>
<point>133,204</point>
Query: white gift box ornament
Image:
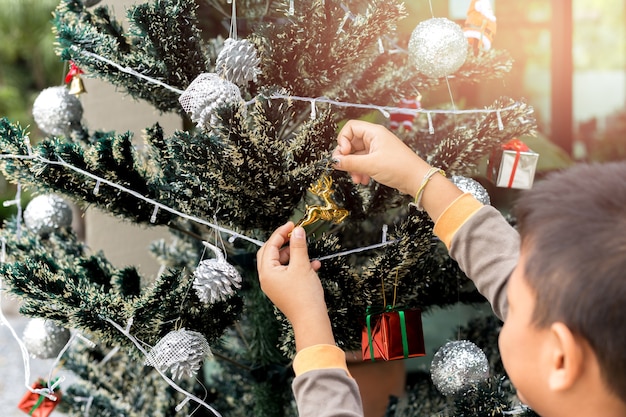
<point>514,167</point>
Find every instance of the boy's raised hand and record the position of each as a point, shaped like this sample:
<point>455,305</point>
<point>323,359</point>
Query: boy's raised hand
<point>289,278</point>
<point>370,151</point>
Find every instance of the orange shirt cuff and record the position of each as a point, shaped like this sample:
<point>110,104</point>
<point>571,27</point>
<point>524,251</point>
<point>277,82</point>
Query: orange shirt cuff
<point>319,357</point>
<point>454,216</point>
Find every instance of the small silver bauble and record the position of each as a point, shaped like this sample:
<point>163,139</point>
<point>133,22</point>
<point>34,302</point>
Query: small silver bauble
<point>181,352</point>
<point>47,213</point>
<point>470,185</point>
<point>438,47</point>
<point>57,112</point>
<point>215,279</point>
<point>44,339</point>
<point>205,95</point>
<point>458,364</point>
<point>238,61</point>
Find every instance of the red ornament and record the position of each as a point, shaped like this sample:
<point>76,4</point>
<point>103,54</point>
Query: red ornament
<point>393,334</point>
<point>38,405</point>
<point>405,119</point>
<point>74,71</point>
<point>480,25</point>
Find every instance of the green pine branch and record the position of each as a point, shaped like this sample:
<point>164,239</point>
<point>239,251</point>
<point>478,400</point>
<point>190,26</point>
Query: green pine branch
<point>163,42</point>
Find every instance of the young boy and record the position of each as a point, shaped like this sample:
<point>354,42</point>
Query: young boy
<point>559,285</point>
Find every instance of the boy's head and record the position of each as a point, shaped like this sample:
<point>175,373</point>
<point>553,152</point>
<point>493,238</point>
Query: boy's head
<point>568,293</point>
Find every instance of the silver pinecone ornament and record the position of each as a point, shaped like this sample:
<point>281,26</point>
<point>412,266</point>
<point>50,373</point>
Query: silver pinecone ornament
<point>46,213</point>
<point>238,61</point>
<point>215,279</point>
<point>180,352</point>
<point>57,112</point>
<point>207,93</point>
<point>44,339</point>
<point>458,364</point>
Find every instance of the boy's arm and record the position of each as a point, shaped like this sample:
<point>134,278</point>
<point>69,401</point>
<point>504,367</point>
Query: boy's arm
<point>483,243</point>
<point>290,281</point>
<point>323,386</point>
<point>479,239</point>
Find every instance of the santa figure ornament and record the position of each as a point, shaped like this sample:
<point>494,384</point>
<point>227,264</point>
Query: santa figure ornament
<point>480,25</point>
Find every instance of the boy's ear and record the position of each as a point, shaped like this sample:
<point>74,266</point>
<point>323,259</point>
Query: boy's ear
<point>566,357</point>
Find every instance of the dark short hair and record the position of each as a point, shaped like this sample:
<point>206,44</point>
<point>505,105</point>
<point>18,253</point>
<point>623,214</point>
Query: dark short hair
<point>573,230</point>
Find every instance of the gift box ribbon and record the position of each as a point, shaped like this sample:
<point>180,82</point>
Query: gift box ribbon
<point>388,309</point>
<point>518,146</point>
<point>37,404</point>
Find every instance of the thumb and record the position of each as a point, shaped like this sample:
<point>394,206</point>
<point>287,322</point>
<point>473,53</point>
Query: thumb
<point>298,251</point>
<point>350,162</point>
<point>353,164</point>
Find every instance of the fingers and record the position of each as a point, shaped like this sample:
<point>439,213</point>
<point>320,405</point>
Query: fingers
<point>354,137</point>
<point>274,253</point>
<point>316,265</point>
<point>352,154</point>
<point>270,253</point>
<point>298,251</point>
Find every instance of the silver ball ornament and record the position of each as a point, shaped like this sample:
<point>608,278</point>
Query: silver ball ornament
<point>180,352</point>
<point>458,364</point>
<point>44,339</point>
<point>238,61</point>
<point>47,213</point>
<point>205,95</point>
<point>470,185</point>
<point>215,279</point>
<point>57,112</point>
<point>438,47</point>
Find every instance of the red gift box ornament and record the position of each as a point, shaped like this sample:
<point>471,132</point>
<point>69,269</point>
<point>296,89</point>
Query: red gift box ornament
<point>392,333</point>
<point>40,401</point>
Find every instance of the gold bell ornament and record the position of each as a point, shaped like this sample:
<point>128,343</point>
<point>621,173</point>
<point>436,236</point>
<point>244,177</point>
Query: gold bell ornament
<point>75,81</point>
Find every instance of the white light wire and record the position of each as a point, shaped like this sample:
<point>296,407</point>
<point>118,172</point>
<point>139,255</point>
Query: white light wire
<point>385,110</point>
<point>171,383</point>
<point>233,234</point>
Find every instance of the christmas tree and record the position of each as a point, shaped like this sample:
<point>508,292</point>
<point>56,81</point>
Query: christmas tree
<point>262,105</point>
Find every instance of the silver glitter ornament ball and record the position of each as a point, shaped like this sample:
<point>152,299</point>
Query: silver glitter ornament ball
<point>215,279</point>
<point>206,94</point>
<point>57,112</point>
<point>458,364</point>
<point>438,47</point>
<point>47,213</point>
<point>470,185</point>
<point>44,339</point>
<point>238,61</point>
<point>180,352</point>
